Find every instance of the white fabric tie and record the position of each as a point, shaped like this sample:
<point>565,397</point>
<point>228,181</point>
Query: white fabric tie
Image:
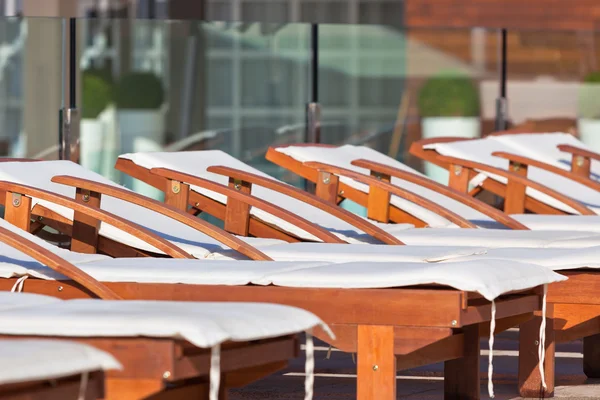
<point>309,368</point>
<point>18,286</point>
<point>83,385</point>
<point>542,340</point>
<point>215,372</point>
<point>491,353</point>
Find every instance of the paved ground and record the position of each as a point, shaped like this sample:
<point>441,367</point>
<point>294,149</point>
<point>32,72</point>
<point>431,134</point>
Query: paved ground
<point>336,377</point>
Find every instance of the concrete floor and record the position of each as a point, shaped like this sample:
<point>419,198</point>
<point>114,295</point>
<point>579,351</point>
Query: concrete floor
<point>336,377</point>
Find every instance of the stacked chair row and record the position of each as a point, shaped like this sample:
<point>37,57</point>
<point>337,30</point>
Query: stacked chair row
<point>396,306</point>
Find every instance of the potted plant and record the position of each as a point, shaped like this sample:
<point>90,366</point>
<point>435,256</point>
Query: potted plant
<point>588,121</point>
<point>139,99</point>
<point>96,99</point>
<point>448,106</point>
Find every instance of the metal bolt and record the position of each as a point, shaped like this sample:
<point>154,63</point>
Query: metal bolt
<point>16,202</point>
<point>175,188</point>
<point>326,180</point>
<point>454,322</point>
<point>537,342</point>
<point>517,167</point>
<point>341,192</point>
<point>40,218</point>
<point>166,374</point>
<point>457,169</point>
<point>237,186</point>
<point>60,288</point>
<point>375,367</point>
<point>196,204</point>
<point>86,197</point>
<point>579,161</point>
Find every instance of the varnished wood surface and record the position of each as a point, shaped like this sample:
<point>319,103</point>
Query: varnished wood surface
<point>272,209</point>
<point>167,210</point>
<point>310,199</point>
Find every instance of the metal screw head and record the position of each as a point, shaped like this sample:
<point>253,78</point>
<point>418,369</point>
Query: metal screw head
<point>457,169</point>
<point>175,187</point>
<point>40,218</point>
<point>166,374</point>
<point>326,180</point>
<point>16,202</point>
<point>196,204</point>
<point>537,342</point>
<point>341,192</point>
<point>454,322</point>
<point>86,197</point>
<point>375,367</point>
<point>579,161</point>
<point>60,288</point>
<point>237,186</point>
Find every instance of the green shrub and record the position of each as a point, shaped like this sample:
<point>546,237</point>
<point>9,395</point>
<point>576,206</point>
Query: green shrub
<point>589,96</point>
<point>96,94</point>
<point>139,91</point>
<point>449,95</point>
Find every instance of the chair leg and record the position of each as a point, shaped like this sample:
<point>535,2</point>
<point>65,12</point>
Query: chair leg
<point>591,356</point>
<point>376,364</point>
<point>529,374</point>
<point>461,376</point>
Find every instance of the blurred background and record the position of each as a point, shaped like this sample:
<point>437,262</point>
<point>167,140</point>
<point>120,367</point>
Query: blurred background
<point>237,75</point>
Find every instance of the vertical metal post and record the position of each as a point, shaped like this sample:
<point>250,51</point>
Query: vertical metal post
<point>69,115</point>
<point>502,101</point>
<point>313,108</point>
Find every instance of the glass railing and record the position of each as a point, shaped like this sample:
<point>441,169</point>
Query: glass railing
<point>173,85</point>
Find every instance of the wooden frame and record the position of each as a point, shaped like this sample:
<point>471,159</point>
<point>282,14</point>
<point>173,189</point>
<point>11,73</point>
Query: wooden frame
<point>84,228</point>
<point>175,369</point>
<point>236,213</point>
<point>516,200</point>
<point>573,312</point>
<point>58,389</point>
<point>394,328</point>
<point>375,198</point>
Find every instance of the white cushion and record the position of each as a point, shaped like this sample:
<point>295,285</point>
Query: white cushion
<point>196,163</point>
<point>39,175</point>
<point>203,324</point>
<point>480,150</point>
<point>490,278</point>
<point>33,360</point>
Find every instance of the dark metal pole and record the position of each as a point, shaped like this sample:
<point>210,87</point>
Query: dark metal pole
<point>313,108</point>
<point>502,101</point>
<point>69,122</point>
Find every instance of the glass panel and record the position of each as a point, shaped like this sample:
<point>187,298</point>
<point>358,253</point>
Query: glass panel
<point>30,87</point>
<point>189,85</point>
<point>384,86</point>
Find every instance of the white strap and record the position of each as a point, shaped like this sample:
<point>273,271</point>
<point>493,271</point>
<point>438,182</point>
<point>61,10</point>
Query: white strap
<point>491,353</point>
<point>18,286</point>
<point>215,372</point>
<point>83,385</point>
<point>309,368</point>
<point>542,340</point>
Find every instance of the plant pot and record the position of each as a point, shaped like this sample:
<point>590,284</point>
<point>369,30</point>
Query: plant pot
<point>141,131</point>
<point>589,132</point>
<point>91,142</point>
<point>431,127</point>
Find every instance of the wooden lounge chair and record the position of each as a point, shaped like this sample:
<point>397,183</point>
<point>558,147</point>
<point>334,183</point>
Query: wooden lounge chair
<point>493,164</point>
<point>52,370</point>
<point>164,345</point>
<point>577,311</point>
<point>365,160</point>
<point>207,185</point>
<point>397,324</point>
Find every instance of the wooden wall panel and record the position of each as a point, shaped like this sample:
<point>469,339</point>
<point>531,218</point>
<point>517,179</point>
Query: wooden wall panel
<point>511,14</point>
